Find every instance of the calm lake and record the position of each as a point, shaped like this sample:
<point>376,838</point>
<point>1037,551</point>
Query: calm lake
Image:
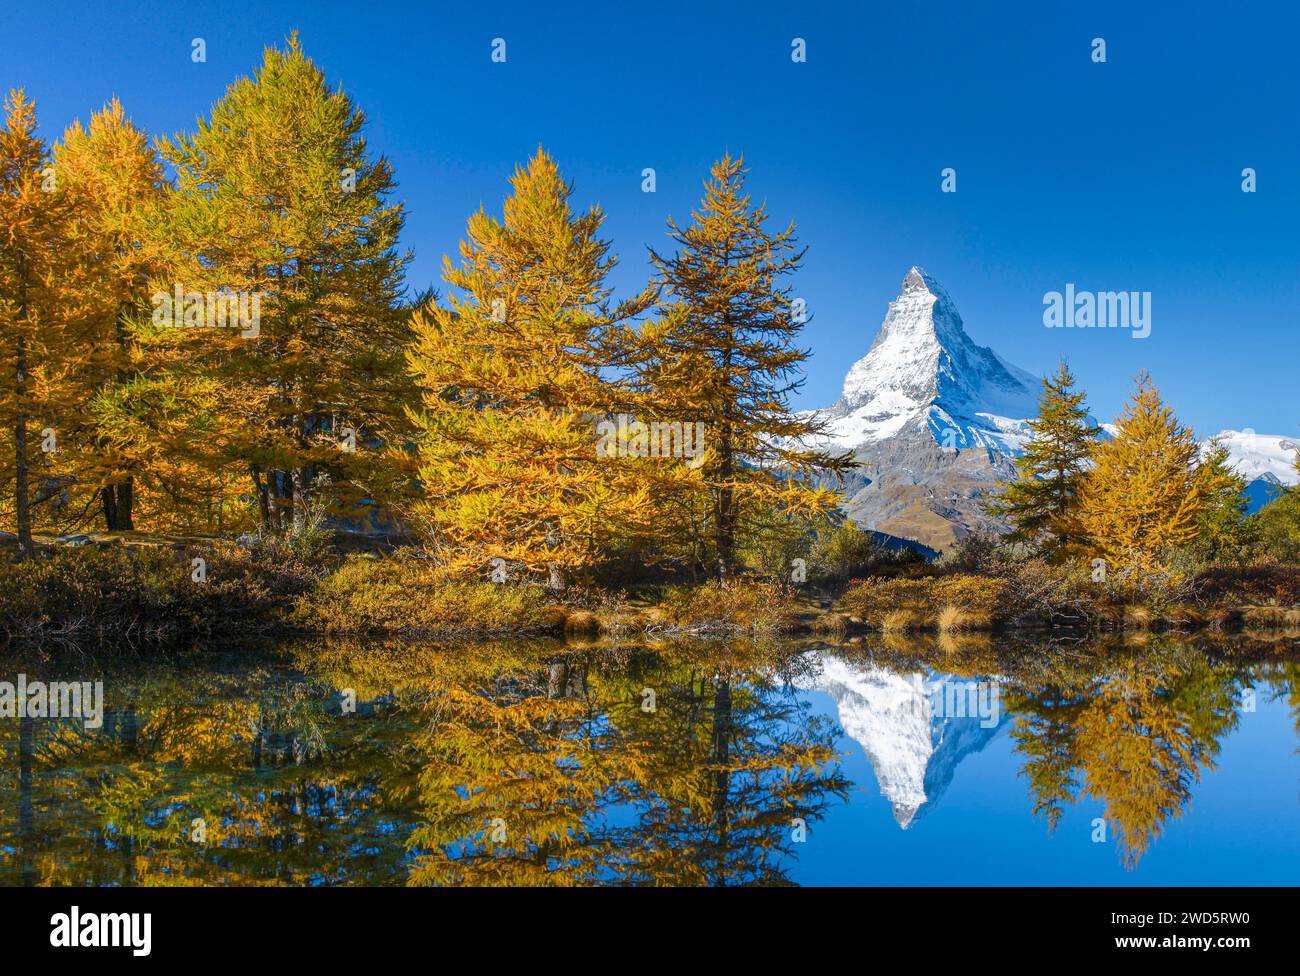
<point>919,761</point>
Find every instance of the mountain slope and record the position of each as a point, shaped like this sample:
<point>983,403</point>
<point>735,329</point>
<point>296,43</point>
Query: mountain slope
<point>1257,455</point>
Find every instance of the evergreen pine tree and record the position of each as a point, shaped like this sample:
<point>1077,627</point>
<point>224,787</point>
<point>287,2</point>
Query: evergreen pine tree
<point>1222,528</point>
<point>1051,469</point>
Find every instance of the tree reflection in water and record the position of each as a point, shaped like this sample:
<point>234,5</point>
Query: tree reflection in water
<point>547,764</point>
<point>1135,733</point>
<point>656,768</point>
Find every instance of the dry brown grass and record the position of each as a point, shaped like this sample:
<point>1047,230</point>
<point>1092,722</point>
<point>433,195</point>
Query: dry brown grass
<point>579,623</point>
<point>968,647</point>
<point>832,625</point>
<point>1271,617</point>
<point>738,606</point>
<point>1137,617</point>
<point>952,619</point>
<point>407,594</point>
<point>955,602</point>
<point>899,621</point>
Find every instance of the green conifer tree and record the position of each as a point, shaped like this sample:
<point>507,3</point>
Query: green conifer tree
<point>1222,528</point>
<point>1049,473</point>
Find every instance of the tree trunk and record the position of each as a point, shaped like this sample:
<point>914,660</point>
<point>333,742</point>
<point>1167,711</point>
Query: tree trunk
<point>557,579</point>
<point>117,507</point>
<point>119,498</point>
<point>263,499</point>
<point>299,478</point>
<point>274,491</point>
<point>108,499</point>
<point>724,517</point>
<point>22,509</point>
<point>724,500</point>
<point>726,533</point>
<point>125,503</point>
<point>557,680</point>
<point>22,499</point>
<point>21,489</point>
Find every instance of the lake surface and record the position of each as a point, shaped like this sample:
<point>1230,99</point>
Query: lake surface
<point>887,762</point>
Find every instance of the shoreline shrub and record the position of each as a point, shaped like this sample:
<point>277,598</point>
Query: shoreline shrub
<point>409,594</point>
<point>958,601</point>
<point>738,605</point>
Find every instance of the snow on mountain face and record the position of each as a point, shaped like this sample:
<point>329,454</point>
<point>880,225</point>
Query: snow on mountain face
<point>1256,456</point>
<point>935,422</point>
<point>913,750</point>
<point>923,366</point>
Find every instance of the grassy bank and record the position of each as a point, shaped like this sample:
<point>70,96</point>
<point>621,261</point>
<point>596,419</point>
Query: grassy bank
<point>154,593</point>
<point>1034,594</point>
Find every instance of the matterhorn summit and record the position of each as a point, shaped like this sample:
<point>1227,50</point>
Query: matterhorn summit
<point>934,419</point>
<point>924,369</point>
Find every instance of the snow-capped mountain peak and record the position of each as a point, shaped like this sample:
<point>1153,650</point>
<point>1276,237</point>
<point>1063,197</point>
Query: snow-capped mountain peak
<point>935,421</point>
<point>922,366</point>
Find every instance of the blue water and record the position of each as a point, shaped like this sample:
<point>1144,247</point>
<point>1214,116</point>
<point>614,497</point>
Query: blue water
<point>541,764</point>
<point>1241,825</point>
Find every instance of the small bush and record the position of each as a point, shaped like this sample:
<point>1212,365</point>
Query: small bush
<point>144,592</point>
<point>845,552</point>
<point>957,601</point>
<point>970,602</point>
<point>980,552</point>
<point>739,605</point>
<point>1040,591</point>
<point>871,599</point>
<point>408,594</point>
<point>1262,583</point>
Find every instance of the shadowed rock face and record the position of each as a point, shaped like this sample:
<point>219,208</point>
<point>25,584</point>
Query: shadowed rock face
<point>910,487</point>
<point>913,750</point>
<point>933,419</point>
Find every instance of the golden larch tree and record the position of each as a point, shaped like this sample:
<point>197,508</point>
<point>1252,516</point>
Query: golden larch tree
<point>278,201</point>
<point>722,352</point>
<point>113,180</point>
<point>510,374</point>
<point>1146,487</point>
<point>41,316</point>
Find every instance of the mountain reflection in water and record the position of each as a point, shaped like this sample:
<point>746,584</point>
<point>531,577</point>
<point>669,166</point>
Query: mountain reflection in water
<point>541,763</point>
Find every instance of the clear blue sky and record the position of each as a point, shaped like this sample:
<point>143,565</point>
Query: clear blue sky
<point>1123,175</point>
